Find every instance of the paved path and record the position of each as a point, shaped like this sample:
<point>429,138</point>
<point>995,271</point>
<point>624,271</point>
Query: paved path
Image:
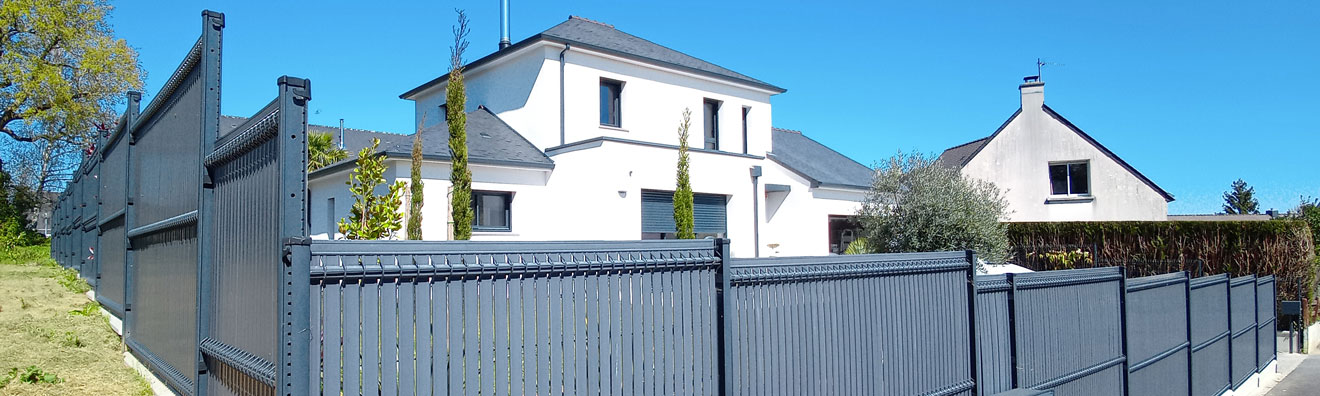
<point>1305,380</point>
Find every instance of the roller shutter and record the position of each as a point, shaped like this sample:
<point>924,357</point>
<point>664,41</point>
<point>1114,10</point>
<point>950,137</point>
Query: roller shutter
<point>709,212</point>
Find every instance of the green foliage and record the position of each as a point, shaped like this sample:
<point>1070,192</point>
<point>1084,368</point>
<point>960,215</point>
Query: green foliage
<point>91,308</point>
<point>64,71</point>
<point>415,198</point>
<point>31,375</point>
<point>1240,199</point>
<point>322,151</point>
<point>70,280</point>
<point>460,177</point>
<point>858,246</point>
<point>683,216</point>
<point>16,202</point>
<point>915,205</point>
<point>373,216</point>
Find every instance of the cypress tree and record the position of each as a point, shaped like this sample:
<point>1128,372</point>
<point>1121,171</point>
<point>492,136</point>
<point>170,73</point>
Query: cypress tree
<point>683,191</point>
<point>455,102</point>
<point>415,200</point>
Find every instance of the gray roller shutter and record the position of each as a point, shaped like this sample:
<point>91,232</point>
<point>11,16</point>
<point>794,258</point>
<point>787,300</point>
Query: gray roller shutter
<point>710,214</point>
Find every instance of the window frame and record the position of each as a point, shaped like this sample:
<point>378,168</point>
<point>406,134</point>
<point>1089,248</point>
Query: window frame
<point>476,210</point>
<point>617,103</point>
<point>711,123</point>
<point>1068,176</point>
<point>746,111</point>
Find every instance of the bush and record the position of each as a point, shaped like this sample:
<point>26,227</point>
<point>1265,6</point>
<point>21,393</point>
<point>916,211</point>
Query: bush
<point>1282,248</point>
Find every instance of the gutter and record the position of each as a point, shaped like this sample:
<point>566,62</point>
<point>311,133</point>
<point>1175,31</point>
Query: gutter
<point>561,93</point>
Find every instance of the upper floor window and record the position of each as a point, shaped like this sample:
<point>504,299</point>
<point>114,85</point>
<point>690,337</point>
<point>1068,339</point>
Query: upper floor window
<point>610,104</point>
<point>492,210</point>
<point>744,125</point>
<point>1070,178</point>
<point>712,122</point>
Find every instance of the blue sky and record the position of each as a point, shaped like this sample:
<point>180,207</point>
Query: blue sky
<point>1194,94</point>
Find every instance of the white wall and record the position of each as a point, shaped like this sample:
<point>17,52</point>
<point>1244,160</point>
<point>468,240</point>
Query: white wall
<point>1017,161</point>
<point>798,222</point>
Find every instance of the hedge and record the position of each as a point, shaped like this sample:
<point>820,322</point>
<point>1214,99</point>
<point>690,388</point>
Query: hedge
<point>1282,248</point>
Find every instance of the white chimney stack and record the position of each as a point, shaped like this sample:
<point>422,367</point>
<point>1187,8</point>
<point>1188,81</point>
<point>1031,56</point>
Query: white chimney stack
<point>1033,92</point>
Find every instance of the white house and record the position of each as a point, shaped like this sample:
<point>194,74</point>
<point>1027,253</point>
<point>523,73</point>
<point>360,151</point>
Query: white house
<point>572,135</point>
<point>1052,171</point>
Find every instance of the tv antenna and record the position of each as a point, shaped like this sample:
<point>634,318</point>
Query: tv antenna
<point>1041,65</point>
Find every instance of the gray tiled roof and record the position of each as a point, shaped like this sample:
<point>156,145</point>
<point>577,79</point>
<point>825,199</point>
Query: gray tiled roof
<point>490,141</point>
<point>585,33</point>
<point>814,161</point>
<point>955,157</point>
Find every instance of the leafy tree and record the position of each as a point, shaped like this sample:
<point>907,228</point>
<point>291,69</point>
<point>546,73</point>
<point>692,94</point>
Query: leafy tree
<point>1241,199</point>
<point>43,163</point>
<point>16,202</point>
<point>683,190</point>
<point>460,202</point>
<point>373,216</point>
<point>415,196</point>
<point>63,69</point>
<point>916,205</point>
<point>322,151</point>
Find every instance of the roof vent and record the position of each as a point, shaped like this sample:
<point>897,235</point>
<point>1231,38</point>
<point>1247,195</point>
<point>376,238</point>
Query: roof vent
<point>504,24</point>
<point>1031,79</point>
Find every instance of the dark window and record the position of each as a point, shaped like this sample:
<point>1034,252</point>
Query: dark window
<point>744,125</point>
<point>610,103</point>
<point>712,118</point>
<point>1070,179</point>
<point>330,221</point>
<point>491,210</point>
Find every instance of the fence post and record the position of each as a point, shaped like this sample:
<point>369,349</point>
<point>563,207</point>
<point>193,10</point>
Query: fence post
<point>212,24</point>
<point>1187,298</point>
<point>723,306</point>
<point>1012,328</point>
<point>1122,323</point>
<point>971,320</point>
<point>130,121</point>
<point>295,278</point>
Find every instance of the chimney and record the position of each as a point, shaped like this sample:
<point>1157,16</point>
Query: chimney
<point>1033,92</point>
<point>341,133</point>
<point>504,24</point>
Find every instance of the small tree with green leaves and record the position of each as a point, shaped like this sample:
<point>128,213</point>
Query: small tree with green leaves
<point>322,151</point>
<point>373,216</point>
<point>415,190</point>
<point>916,205</point>
<point>683,218</point>
<point>460,200</point>
<point>1241,199</point>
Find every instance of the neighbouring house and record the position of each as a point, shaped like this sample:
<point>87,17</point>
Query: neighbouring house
<point>1050,170</point>
<point>572,135</point>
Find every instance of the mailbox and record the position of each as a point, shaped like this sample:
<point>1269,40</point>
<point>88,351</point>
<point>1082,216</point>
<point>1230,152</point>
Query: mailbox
<point>1290,308</point>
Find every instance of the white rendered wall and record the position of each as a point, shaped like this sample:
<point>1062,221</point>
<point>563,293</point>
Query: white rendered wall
<point>798,222</point>
<point>1017,161</point>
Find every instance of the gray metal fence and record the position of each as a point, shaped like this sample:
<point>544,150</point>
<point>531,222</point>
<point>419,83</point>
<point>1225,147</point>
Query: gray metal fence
<point>896,324</point>
<point>1158,334</point>
<point>1210,335</point>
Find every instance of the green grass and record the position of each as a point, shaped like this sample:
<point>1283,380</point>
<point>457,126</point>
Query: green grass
<point>52,340</point>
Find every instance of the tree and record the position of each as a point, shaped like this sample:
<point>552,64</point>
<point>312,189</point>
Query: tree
<point>683,220</point>
<point>415,196</point>
<point>43,163</point>
<point>322,151</point>
<point>460,200</point>
<point>16,202</point>
<point>64,71</point>
<point>1240,199</point>
<point>373,216</point>
<point>916,205</point>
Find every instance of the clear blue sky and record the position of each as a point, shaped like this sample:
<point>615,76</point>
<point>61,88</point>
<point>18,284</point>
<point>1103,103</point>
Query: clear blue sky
<point>1194,94</point>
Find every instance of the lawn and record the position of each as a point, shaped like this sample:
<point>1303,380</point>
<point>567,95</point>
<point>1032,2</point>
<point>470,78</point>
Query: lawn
<point>53,341</point>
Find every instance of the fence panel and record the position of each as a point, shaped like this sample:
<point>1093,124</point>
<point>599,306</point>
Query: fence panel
<point>253,169</point>
<point>994,334</point>
<point>110,291</point>
<point>1158,350</point>
<point>1266,337</point>
<point>1242,321</point>
<point>1055,309</point>
<point>863,324</point>
<point>166,166</point>
<point>1210,335</point>
<point>525,318</point>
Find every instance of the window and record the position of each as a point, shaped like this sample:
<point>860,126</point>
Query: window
<point>712,118</point>
<point>490,210</point>
<point>744,125</point>
<point>1072,178</point>
<point>610,104</point>
<point>709,215</point>
<point>330,222</point>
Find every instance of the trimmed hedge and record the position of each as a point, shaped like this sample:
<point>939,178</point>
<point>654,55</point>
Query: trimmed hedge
<point>1282,248</point>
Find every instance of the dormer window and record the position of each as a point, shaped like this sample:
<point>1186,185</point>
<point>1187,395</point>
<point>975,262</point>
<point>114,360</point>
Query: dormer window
<point>1070,178</point>
<point>712,121</point>
<point>610,103</point>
